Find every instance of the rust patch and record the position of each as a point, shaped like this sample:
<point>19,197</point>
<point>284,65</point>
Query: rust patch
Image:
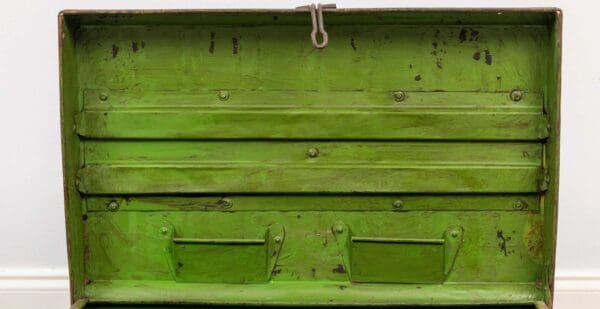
<point>488,57</point>
<point>235,45</point>
<point>339,269</point>
<point>353,43</point>
<point>115,50</point>
<point>134,47</point>
<point>533,240</point>
<point>477,56</point>
<point>211,48</point>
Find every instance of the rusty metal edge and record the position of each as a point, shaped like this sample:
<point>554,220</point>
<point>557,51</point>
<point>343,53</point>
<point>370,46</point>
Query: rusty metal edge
<point>63,143</point>
<point>558,27</point>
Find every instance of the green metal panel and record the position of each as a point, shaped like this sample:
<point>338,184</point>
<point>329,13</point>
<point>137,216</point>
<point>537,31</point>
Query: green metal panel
<point>217,158</point>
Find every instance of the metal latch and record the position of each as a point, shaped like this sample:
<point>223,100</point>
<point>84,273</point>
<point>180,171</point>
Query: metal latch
<point>316,15</point>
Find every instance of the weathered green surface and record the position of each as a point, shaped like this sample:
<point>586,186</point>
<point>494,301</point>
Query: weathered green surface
<point>211,157</point>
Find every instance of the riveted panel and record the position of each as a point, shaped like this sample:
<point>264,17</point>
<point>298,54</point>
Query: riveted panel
<point>218,158</point>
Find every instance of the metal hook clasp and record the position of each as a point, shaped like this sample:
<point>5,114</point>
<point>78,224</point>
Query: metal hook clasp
<point>316,15</point>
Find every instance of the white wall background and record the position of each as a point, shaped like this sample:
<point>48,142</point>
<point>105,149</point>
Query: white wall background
<point>32,233</point>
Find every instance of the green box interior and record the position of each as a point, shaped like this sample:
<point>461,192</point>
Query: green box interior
<point>211,126</point>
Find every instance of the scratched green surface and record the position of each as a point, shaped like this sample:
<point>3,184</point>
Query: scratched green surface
<point>222,124</point>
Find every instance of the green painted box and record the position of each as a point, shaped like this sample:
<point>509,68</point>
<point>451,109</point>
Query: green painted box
<point>218,158</point>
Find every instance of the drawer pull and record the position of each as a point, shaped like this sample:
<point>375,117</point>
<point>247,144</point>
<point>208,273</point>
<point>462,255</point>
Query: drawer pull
<point>398,260</point>
<point>222,260</point>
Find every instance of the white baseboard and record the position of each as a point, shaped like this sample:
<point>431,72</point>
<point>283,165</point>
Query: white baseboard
<point>577,290</point>
<point>34,288</point>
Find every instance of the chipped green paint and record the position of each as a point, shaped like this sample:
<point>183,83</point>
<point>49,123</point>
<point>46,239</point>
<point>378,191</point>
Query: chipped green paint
<point>216,158</point>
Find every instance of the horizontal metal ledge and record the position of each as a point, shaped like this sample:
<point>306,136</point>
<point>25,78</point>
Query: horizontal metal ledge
<point>313,293</point>
<point>324,153</point>
<point>195,124</point>
<point>107,100</point>
<point>321,203</point>
<point>282,179</point>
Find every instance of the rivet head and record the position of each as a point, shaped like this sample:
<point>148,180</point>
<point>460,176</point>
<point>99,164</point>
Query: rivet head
<point>103,96</point>
<point>398,204</point>
<point>225,202</point>
<point>277,239</point>
<point>399,96</point>
<point>113,206</point>
<point>313,152</point>
<point>519,205</point>
<point>516,95</point>
<point>339,229</point>
<point>223,95</point>
<point>164,230</point>
<point>454,233</point>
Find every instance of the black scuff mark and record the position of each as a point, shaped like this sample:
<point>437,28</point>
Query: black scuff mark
<point>115,50</point>
<point>488,57</point>
<point>353,43</point>
<point>211,48</point>
<point>503,241</point>
<point>477,56</point>
<point>276,270</point>
<point>418,77</point>
<point>235,45</point>
<point>462,36</point>
<point>339,269</point>
<point>474,35</point>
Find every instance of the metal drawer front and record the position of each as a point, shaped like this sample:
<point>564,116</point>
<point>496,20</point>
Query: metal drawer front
<point>218,158</point>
